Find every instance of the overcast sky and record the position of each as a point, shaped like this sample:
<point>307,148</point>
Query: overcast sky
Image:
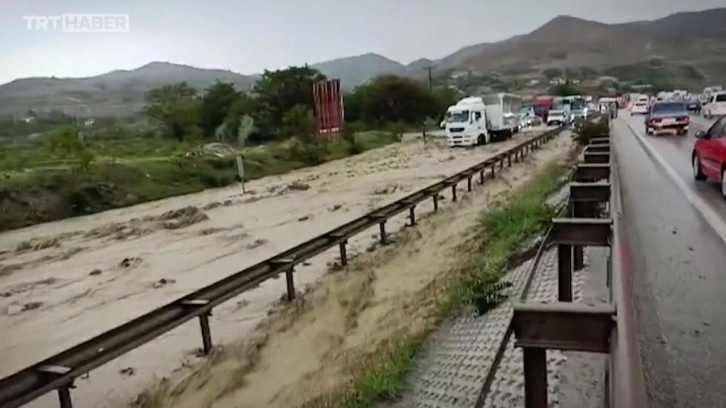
<point>247,36</point>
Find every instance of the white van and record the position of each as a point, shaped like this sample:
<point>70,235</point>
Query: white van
<point>715,106</point>
<point>466,123</point>
<point>640,106</point>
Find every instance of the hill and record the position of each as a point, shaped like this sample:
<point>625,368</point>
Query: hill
<point>354,71</point>
<point>687,49</point>
<point>691,43</point>
<point>118,92</point>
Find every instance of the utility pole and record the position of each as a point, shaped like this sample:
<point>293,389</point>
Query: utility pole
<point>431,81</point>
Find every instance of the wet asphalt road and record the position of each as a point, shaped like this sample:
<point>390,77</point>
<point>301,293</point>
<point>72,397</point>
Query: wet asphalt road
<point>677,152</point>
<point>679,269</point>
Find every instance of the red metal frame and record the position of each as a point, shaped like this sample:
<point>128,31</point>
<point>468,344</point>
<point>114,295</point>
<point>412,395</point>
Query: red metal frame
<point>329,114</point>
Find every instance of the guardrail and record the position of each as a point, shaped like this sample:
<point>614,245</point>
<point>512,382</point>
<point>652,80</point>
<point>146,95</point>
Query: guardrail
<point>564,325</point>
<point>60,371</point>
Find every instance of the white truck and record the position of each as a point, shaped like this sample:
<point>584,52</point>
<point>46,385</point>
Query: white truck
<point>466,123</point>
<point>472,122</point>
<point>503,112</point>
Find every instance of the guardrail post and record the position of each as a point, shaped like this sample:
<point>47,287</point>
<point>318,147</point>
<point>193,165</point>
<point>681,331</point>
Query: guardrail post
<point>64,397</point>
<point>412,215</point>
<point>64,392</point>
<point>567,233</point>
<point>481,177</point>
<point>290,284</point>
<point>564,273</point>
<point>509,160</point>
<point>492,171</point>
<point>557,326</point>
<point>436,201</point>
<point>343,253</point>
<point>578,252</point>
<point>206,333</point>
<point>535,377</point>
<point>288,264</point>
<point>382,227</point>
<point>468,184</point>
<point>203,323</point>
<point>453,192</point>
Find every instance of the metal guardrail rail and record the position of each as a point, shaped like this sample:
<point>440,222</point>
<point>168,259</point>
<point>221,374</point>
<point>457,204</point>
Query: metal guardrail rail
<point>564,325</point>
<point>60,371</point>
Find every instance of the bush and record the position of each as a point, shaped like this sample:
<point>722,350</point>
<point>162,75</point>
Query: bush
<point>309,154</point>
<point>352,145</point>
<point>396,130</point>
<point>591,130</point>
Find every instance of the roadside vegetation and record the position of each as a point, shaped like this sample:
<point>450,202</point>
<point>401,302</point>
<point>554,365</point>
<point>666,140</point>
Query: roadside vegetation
<point>54,166</point>
<point>500,233</point>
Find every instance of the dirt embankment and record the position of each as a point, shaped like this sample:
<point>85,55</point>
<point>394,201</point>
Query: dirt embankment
<point>316,345</point>
<point>64,282</point>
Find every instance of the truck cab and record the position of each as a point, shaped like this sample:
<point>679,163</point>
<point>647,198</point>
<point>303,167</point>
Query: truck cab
<point>466,123</point>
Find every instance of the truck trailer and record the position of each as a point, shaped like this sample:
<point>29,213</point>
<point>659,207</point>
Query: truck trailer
<point>473,122</point>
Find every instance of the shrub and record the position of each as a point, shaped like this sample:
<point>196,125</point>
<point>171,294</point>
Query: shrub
<point>352,145</point>
<point>309,154</point>
<point>590,130</point>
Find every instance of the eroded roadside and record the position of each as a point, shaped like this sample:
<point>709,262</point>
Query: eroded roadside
<point>64,282</point>
<point>317,345</point>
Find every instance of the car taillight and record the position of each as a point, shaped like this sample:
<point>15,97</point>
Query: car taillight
<point>684,119</point>
<point>655,121</point>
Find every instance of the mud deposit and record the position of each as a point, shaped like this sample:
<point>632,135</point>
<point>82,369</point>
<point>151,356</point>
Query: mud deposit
<point>315,346</point>
<point>64,282</point>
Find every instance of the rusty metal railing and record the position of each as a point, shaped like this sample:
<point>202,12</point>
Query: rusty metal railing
<point>594,220</point>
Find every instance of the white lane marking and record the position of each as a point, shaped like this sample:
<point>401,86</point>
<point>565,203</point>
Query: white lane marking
<point>716,222</point>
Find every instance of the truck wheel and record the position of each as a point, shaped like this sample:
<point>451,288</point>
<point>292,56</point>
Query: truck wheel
<point>481,140</point>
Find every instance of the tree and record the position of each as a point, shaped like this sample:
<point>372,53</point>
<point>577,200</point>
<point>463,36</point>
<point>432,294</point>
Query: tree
<point>391,98</point>
<point>566,89</point>
<point>215,106</point>
<point>176,107</point>
<point>299,122</point>
<point>67,143</point>
<point>277,92</point>
<point>551,73</point>
<point>353,105</point>
<point>445,97</point>
<point>244,106</point>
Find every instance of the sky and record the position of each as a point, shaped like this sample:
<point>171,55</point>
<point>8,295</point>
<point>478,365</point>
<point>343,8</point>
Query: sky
<point>248,36</point>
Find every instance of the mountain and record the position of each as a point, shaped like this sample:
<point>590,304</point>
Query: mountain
<point>118,92</point>
<point>690,46</point>
<point>354,71</point>
<point>686,48</point>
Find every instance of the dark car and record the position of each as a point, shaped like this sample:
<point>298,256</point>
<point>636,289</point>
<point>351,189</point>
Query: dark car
<point>667,116</point>
<point>693,105</point>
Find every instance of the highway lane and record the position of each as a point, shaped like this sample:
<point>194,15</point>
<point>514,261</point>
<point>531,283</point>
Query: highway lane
<point>676,150</point>
<point>679,273</point>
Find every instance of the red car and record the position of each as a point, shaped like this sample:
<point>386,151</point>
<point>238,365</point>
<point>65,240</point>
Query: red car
<point>709,154</point>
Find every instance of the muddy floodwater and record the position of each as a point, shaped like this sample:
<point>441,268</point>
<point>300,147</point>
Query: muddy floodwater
<point>64,282</point>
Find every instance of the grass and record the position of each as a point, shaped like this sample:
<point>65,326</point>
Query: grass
<point>42,195</point>
<point>501,232</point>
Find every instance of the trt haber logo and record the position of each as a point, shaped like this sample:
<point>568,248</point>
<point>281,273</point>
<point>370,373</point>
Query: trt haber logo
<point>79,23</point>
